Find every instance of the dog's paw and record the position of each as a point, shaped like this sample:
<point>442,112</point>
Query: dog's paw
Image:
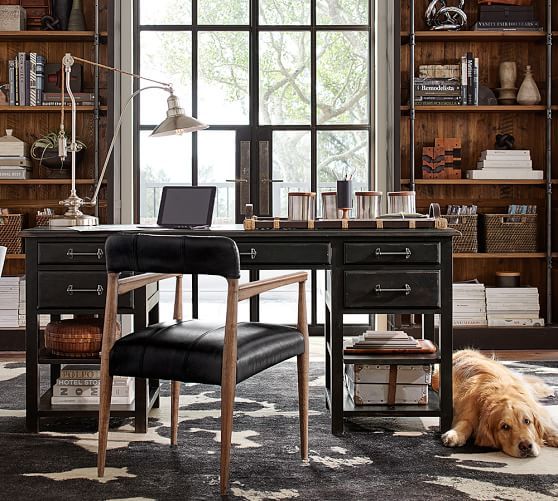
<point>452,438</point>
<point>551,439</point>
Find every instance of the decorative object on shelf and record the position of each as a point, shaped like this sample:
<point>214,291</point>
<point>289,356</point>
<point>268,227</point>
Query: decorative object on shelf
<point>76,22</point>
<point>508,75</point>
<point>329,205</point>
<point>401,202</point>
<point>12,18</point>
<point>61,11</point>
<point>368,204</point>
<point>440,16</point>
<point>507,16</point>
<point>486,96</point>
<point>35,11</point>
<point>45,150</point>
<point>302,206</point>
<point>9,232</point>
<point>505,164</point>
<point>504,142</point>
<point>509,233</point>
<point>11,146</point>
<point>443,160</point>
<point>463,218</point>
<point>345,196</point>
<point>49,23</point>
<point>176,123</point>
<point>528,92</point>
<point>54,78</point>
<point>508,279</point>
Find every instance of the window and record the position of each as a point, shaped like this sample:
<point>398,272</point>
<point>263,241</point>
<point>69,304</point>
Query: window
<point>285,86</point>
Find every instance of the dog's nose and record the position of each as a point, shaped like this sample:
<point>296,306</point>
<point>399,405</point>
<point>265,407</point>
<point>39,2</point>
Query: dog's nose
<point>525,446</point>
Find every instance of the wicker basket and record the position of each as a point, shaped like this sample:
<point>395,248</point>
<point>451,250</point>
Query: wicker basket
<point>467,226</point>
<point>10,228</point>
<point>42,220</point>
<point>76,338</point>
<point>510,233</point>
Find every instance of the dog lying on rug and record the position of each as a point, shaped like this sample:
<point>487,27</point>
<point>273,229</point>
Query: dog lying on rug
<point>498,407</point>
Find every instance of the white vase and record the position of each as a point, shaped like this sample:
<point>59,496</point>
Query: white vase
<point>528,92</point>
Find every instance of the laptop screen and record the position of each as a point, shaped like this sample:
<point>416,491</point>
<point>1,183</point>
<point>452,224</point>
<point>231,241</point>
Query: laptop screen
<point>186,206</point>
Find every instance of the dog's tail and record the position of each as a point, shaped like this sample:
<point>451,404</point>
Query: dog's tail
<point>436,379</point>
<point>539,389</point>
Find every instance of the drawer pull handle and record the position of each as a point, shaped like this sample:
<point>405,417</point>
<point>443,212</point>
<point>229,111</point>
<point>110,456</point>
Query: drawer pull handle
<point>407,289</point>
<point>407,253</point>
<point>70,290</point>
<point>253,253</point>
<point>71,254</point>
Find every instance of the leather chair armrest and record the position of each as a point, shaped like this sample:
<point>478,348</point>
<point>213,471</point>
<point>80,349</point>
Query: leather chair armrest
<point>131,283</point>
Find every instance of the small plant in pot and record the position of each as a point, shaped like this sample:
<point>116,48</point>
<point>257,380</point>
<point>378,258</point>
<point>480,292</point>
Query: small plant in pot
<point>45,150</point>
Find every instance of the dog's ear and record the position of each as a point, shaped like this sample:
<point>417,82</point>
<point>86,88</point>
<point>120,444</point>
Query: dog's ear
<point>539,428</point>
<point>484,436</point>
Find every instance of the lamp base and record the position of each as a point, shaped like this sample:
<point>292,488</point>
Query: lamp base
<point>63,221</point>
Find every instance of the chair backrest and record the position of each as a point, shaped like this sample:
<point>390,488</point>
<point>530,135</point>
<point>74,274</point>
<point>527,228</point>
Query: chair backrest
<point>144,253</point>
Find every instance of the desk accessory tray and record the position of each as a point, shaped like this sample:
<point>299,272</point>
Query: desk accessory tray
<point>277,223</point>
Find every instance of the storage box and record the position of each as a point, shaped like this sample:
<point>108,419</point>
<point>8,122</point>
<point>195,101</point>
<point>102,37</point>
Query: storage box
<point>466,224</point>
<point>12,18</point>
<point>510,232</point>
<point>11,146</point>
<point>369,384</point>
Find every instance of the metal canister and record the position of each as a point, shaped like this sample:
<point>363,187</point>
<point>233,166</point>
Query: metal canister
<point>329,205</point>
<point>368,204</point>
<point>401,202</point>
<point>302,206</point>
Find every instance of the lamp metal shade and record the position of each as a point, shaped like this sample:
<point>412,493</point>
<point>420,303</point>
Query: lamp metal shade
<point>177,122</point>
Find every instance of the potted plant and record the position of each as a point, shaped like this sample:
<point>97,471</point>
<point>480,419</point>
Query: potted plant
<point>45,150</point>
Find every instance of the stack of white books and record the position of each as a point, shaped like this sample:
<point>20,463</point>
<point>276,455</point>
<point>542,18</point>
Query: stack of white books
<point>80,385</point>
<point>505,164</point>
<point>43,319</point>
<point>9,302</point>
<point>375,340</point>
<point>15,167</point>
<point>513,307</point>
<point>469,305</point>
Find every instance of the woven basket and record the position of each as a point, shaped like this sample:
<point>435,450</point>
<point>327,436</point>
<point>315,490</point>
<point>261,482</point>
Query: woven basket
<point>42,220</point>
<point>510,233</point>
<point>467,226</point>
<point>75,338</point>
<point>10,228</point>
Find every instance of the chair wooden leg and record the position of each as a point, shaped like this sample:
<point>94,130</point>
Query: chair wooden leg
<point>104,416</point>
<point>175,399</point>
<point>228,388</point>
<point>302,362</point>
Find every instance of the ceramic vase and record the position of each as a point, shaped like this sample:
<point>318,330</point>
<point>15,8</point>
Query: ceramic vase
<point>76,21</point>
<point>508,76</point>
<point>528,92</point>
<point>61,10</point>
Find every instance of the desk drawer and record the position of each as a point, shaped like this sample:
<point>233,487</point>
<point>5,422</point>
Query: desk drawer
<point>72,252</point>
<point>391,252</point>
<point>283,253</point>
<point>83,289</point>
<point>392,289</point>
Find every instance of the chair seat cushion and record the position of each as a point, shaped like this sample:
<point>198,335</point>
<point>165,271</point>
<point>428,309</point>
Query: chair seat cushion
<point>191,351</point>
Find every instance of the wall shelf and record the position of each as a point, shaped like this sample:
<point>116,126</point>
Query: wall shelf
<point>51,36</point>
<point>517,108</point>
<point>451,182</point>
<point>47,109</point>
<point>53,182</point>
<point>17,257</point>
<point>500,255</point>
<point>469,35</point>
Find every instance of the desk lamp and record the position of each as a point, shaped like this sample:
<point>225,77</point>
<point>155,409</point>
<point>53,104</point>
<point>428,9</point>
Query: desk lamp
<point>176,123</point>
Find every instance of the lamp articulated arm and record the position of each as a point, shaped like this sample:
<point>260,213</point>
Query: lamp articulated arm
<point>175,123</point>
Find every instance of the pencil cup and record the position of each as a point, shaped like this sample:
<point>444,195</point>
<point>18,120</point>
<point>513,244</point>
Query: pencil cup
<point>345,197</point>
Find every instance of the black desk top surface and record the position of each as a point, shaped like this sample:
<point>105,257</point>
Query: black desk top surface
<point>236,231</point>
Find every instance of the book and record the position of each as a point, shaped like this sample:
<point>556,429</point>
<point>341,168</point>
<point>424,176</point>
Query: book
<point>80,371</point>
<point>464,88</point>
<point>505,164</point>
<point>506,153</point>
<point>15,173</point>
<point>117,381</point>
<point>505,174</point>
<point>41,62</point>
<point>14,162</point>
<point>455,102</point>
<point>469,78</point>
<point>11,82</point>
<point>32,79</point>
<point>434,87</point>
<point>517,322</point>
<point>453,99</point>
<point>78,96</point>
<point>89,391</point>
<point>476,81</point>
<point>21,77</point>
<point>58,400</point>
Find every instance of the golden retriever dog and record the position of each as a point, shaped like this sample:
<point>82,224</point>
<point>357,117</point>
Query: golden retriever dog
<point>498,407</point>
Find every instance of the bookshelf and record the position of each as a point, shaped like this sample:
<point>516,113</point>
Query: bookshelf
<point>534,127</point>
<point>94,126</point>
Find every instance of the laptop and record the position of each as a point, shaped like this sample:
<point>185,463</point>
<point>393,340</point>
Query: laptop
<point>186,207</point>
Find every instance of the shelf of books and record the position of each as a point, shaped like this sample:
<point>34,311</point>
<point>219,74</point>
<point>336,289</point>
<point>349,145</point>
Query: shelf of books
<point>477,129</point>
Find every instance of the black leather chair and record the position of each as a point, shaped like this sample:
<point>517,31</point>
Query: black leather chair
<point>195,351</point>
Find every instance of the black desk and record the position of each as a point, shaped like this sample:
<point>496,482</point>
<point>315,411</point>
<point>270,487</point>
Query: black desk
<point>414,264</point>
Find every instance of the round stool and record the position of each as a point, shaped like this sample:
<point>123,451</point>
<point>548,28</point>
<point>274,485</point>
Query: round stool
<point>74,338</point>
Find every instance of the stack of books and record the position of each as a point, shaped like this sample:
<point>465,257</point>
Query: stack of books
<point>14,157</point>
<point>513,307</point>
<point>26,76</point>
<point>80,385</point>
<point>81,98</point>
<point>9,302</point>
<point>505,164</point>
<point>507,18</point>
<point>437,92</point>
<point>379,340</point>
<point>469,79</point>
<point>469,304</point>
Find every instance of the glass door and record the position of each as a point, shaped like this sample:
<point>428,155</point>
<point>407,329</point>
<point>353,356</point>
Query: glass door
<point>285,87</point>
